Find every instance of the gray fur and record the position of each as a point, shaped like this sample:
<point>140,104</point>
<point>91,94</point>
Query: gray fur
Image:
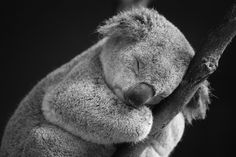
<point>79,109</point>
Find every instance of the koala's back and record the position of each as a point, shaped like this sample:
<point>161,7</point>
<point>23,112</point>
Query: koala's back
<point>28,117</point>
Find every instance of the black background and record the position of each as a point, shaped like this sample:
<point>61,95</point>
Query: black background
<point>38,37</point>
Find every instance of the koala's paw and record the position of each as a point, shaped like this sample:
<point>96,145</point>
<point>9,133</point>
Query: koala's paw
<point>198,105</point>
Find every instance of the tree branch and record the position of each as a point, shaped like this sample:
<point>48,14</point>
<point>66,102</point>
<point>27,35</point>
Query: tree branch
<point>201,67</point>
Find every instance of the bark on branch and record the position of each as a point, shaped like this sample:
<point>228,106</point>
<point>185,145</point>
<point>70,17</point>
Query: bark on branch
<point>201,67</point>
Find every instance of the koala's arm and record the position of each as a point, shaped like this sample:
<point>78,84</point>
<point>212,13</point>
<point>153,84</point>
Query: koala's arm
<point>51,141</point>
<point>160,145</point>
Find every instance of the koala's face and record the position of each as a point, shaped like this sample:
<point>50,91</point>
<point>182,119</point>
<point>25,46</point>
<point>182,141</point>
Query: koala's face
<point>144,60</point>
<point>142,74</point>
<point>145,72</point>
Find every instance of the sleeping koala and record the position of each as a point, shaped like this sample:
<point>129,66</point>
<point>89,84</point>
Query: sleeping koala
<point>104,96</point>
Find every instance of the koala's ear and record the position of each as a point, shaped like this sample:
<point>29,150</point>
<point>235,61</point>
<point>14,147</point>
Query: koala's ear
<point>198,105</point>
<point>133,24</point>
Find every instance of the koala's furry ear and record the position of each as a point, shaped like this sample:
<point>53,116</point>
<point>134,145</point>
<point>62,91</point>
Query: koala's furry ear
<point>198,105</point>
<point>134,24</point>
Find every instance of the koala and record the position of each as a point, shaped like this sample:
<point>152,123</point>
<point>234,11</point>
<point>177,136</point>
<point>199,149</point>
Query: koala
<point>104,96</point>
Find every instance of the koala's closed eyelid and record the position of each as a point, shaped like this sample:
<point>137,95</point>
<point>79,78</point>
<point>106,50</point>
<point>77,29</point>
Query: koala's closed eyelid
<point>135,67</point>
<point>138,64</point>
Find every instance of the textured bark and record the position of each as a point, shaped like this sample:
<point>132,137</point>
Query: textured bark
<point>201,67</point>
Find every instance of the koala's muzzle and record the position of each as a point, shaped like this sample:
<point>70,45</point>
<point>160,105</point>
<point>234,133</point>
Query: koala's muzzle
<point>139,94</point>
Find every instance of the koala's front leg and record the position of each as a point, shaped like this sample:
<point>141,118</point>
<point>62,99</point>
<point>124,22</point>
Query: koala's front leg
<point>51,141</point>
<point>163,144</point>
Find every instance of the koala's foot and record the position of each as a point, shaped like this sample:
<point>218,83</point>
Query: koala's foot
<point>51,141</point>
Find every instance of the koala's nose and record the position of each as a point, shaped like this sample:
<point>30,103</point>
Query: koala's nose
<point>139,94</point>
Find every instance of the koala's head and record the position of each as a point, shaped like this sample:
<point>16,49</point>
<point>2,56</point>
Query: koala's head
<point>145,56</point>
<point>144,59</point>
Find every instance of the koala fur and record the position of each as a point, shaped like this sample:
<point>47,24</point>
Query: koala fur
<point>81,109</point>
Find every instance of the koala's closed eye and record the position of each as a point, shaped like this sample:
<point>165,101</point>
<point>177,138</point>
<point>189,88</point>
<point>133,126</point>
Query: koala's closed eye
<point>138,65</point>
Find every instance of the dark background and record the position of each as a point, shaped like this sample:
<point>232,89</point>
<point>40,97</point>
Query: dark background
<point>39,36</point>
